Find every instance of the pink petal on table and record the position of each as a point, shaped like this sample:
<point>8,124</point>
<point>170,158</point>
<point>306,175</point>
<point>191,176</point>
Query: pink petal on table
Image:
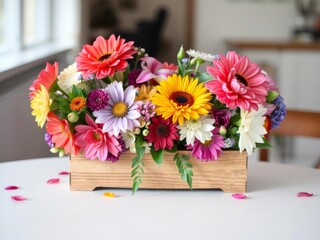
<point>304,194</point>
<point>18,198</point>
<point>11,187</point>
<point>53,180</point>
<point>239,196</point>
<point>64,173</point>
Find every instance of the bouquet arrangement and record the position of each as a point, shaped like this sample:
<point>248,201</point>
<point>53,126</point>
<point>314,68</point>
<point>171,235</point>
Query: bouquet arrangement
<point>115,98</point>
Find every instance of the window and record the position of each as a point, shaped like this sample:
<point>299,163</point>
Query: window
<point>24,23</point>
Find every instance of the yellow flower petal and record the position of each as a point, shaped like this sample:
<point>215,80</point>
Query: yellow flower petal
<point>109,194</point>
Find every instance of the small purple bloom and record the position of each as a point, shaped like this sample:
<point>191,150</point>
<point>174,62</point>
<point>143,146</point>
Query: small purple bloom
<point>185,60</point>
<point>147,110</point>
<point>132,77</point>
<point>97,99</point>
<point>221,117</point>
<point>279,112</point>
<point>48,139</point>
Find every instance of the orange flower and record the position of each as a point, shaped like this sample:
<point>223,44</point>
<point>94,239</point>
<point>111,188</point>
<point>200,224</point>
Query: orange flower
<point>62,137</point>
<point>46,78</point>
<point>77,103</point>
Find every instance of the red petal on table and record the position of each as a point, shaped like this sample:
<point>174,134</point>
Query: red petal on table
<point>18,198</point>
<point>11,188</point>
<point>239,196</point>
<point>304,194</point>
<point>53,180</point>
<point>64,173</point>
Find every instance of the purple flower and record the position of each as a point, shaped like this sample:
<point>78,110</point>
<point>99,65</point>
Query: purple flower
<point>210,150</point>
<point>147,110</point>
<point>279,112</point>
<point>113,158</point>
<point>132,77</point>
<point>221,117</point>
<point>48,139</point>
<point>97,99</point>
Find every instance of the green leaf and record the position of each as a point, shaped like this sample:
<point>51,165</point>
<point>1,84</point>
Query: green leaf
<point>272,95</point>
<point>204,77</point>
<point>157,155</point>
<point>265,144</point>
<point>185,168</point>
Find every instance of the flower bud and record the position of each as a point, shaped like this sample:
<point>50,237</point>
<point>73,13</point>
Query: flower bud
<point>137,131</point>
<point>145,132</point>
<point>181,53</point>
<point>54,150</point>
<point>222,131</point>
<point>73,117</point>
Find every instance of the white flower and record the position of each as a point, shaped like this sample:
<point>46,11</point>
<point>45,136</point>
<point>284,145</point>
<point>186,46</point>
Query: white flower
<point>129,139</point>
<point>251,129</point>
<point>201,55</point>
<point>199,129</point>
<point>69,77</point>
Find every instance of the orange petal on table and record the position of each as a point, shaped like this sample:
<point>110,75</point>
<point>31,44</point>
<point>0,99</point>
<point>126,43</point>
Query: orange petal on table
<point>304,194</point>
<point>11,187</point>
<point>239,196</point>
<point>109,194</point>
<point>53,180</point>
<point>18,198</point>
<point>64,173</point>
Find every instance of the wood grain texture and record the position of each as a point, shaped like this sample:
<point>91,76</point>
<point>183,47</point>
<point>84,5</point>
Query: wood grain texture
<point>228,173</point>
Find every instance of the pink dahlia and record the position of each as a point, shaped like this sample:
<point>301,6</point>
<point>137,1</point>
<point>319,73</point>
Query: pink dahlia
<point>162,133</point>
<point>95,143</point>
<point>210,150</point>
<point>104,57</point>
<point>46,77</point>
<point>238,82</point>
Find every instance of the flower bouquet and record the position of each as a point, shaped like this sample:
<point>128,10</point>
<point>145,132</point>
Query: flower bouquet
<point>115,98</point>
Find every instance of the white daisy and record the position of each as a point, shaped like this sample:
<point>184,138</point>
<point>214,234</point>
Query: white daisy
<point>199,129</point>
<point>201,55</point>
<point>251,129</point>
<point>69,77</point>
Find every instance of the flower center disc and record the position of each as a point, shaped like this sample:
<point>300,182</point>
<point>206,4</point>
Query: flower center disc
<point>241,79</point>
<point>119,109</point>
<point>182,98</point>
<point>105,56</point>
<point>162,131</point>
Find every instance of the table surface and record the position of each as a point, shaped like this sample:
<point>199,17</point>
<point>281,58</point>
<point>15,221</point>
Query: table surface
<point>270,211</point>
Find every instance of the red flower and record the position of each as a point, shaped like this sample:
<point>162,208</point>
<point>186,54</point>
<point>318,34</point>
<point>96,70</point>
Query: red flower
<point>162,133</point>
<point>104,57</point>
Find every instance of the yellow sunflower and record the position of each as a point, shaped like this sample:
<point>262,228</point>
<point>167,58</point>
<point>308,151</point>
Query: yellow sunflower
<point>145,93</point>
<point>40,105</point>
<point>181,98</point>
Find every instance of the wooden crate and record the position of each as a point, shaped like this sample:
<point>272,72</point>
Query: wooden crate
<point>228,173</point>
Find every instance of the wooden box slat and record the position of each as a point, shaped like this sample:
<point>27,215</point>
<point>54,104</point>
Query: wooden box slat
<point>228,173</point>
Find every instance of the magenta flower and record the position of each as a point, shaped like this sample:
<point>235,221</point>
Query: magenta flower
<point>210,150</point>
<point>221,117</point>
<point>97,99</point>
<point>132,77</point>
<point>238,82</point>
<point>153,69</point>
<point>95,143</point>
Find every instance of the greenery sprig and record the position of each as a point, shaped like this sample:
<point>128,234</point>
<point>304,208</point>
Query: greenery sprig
<point>185,167</point>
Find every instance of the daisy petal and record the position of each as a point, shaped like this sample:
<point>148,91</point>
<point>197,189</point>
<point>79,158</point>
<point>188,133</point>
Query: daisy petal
<point>18,198</point>
<point>53,180</point>
<point>239,196</point>
<point>109,194</point>
<point>11,187</point>
<point>304,194</point>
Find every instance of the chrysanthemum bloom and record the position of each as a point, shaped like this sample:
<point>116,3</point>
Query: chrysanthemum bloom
<point>238,82</point>
<point>40,105</point>
<point>201,55</point>
<point>69,77</point>
<point>46,78</point>
<point>221,116</point>
<point>62,136</point>
<point>251,129</point>
<point>104,57</point>
<point>95,143</point>
<point>181,98</point>
<point>97,99</point>
<point>209,150</point>
<point>279,112</point>
<point>121,113</point>
<point>77,103</point>
<point>162,133</point>
<point>145,93</point>
<point>152,69</point>
<point>200,129</point>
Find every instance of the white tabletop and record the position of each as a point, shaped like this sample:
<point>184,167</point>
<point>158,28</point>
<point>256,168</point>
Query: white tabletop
<point>271,211</point>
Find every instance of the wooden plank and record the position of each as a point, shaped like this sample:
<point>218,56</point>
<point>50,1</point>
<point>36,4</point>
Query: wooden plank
<point>228,173</point>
